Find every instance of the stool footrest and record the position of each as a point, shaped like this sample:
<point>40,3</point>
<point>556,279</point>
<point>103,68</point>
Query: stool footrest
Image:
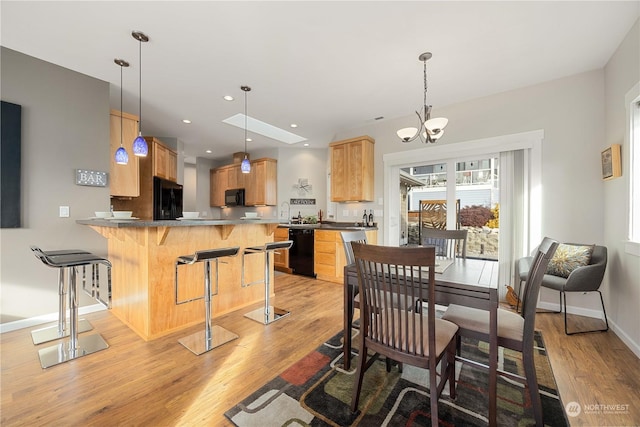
<point>52,333</point>
<point>60,353</point>
<point>261,315</point>
<point>199,343</point>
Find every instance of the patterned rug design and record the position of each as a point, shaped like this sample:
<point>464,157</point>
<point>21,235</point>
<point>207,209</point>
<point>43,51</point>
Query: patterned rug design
<point>316,391</point>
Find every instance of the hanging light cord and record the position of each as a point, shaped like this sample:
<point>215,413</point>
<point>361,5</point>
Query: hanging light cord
<point>140,83</point>
<point>425,90</point>
<point>245,123</point>
<point>121,106</point>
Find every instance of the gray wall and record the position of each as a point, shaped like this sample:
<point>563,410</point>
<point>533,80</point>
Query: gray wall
<point>65,126</point>
<point>622,293</point>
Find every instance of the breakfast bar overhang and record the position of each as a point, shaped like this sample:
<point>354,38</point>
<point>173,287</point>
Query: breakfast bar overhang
<point>143,255</point>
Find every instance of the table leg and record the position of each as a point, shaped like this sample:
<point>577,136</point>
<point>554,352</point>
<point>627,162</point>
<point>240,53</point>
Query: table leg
<point>493,363</point>
<point>349,292</point>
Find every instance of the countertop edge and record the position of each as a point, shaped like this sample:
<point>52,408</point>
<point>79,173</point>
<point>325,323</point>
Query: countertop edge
<point>138,223</point>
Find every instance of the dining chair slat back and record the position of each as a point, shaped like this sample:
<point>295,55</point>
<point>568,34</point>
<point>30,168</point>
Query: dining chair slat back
<point>418,338</point>
<point>448,243</point>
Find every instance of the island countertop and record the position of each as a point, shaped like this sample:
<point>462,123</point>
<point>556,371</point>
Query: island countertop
<point>126,223</point>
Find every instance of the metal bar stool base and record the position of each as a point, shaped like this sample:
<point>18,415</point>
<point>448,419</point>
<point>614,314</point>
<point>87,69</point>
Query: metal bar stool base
<point>260,316</point>
<point>60,353</point>
<point>198,342</point>
<point>51,333</point>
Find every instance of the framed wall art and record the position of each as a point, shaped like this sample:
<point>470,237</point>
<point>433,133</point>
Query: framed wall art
<point>610,158</point>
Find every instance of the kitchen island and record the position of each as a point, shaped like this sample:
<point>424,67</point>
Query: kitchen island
<point>143,255</point>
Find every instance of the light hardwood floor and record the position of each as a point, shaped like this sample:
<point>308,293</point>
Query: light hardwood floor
<point>160,383</point>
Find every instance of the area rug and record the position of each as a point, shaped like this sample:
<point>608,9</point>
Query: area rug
<point>316,391</point>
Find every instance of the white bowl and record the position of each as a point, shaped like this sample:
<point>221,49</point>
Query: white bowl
<point>190,215</point>
<point>251,214</point>
<point>122,214</point>
<point>103,214</point>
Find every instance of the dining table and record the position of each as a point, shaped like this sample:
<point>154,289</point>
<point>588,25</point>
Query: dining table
<point>465,281</point>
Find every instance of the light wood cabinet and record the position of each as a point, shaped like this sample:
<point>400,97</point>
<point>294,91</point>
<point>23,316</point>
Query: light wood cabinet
<point>281,257</point>
<point>352,169</point>
<point>160,161</point>
<point>165,160</point>
<point>124,180</point>
<point>328,254</point>
<point>218,185</point>
<point>235,177</point>
<point>261,184</point>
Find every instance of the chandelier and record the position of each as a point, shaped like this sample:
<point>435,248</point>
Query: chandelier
<point>430,130</point>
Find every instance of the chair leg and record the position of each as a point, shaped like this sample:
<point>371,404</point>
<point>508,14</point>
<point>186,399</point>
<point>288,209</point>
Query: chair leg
<point>362,361</point>
<point>519,296</point>
<point>604,312</point>
<point>451,357</point>
<point>532,384</point>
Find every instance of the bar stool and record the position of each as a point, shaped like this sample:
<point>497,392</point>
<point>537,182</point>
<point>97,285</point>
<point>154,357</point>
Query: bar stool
<point>60,330</point>
<point>212,336</point>
<point>268,314</point>
<point>76,346</point>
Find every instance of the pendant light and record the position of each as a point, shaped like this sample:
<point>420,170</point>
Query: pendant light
<point>430,129</point>
<point>245,166</point>
<point>140,147</point>
<point>122,158</point>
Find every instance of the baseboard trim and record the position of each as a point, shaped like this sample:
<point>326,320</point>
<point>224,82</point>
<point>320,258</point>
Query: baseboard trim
<point>626,339</point>
<point>45,318</point>
<point>580,311</point>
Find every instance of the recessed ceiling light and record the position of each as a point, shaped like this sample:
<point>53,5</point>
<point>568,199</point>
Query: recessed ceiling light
<point>187,121</point>
<point>249,139</point>
<point>306,144</point>
<point>208,151</point>
<point>293,125</point>
<point>228,98</point>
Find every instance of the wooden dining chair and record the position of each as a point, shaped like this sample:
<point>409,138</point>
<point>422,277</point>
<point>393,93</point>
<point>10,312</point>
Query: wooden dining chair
<point>358,236</point>
<point>417,338</point>
<point>448,243</point>
<point>515,330</point>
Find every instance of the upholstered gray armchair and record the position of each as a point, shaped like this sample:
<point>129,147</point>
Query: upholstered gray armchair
<point>584,279</point>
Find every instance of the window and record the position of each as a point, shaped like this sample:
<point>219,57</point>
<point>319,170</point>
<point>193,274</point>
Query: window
<point>632,100</point>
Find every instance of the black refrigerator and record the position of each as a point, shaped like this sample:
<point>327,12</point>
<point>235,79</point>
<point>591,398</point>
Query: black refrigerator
<point>167,199</point>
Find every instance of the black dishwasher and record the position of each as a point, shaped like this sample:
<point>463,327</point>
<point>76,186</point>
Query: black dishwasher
<point>301,252</point>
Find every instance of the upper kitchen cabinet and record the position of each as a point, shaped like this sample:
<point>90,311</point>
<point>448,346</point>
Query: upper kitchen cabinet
<point>165,160</point>
<point>235,177</point>
<point>217,186</point>
<point>124,180</point>
<point>261,183</point>
<point>352,170</point>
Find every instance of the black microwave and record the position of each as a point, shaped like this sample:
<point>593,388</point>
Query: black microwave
<point>234,197</point>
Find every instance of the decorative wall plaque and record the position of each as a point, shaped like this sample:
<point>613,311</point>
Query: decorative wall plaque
<point>91,178</point>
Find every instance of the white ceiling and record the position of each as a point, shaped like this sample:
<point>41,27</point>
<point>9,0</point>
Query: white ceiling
<point>327,66</point>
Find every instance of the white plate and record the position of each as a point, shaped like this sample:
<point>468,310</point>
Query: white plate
<point>100,217</point>
<point>252,217</point>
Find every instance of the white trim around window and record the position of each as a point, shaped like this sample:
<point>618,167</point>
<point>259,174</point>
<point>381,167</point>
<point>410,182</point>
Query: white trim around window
<point>632,164</point>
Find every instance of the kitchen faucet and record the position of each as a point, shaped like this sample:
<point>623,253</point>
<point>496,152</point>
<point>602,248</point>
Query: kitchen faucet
<point>288,211</point>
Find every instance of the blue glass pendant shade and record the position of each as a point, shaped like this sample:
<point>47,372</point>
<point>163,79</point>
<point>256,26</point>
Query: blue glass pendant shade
<point>122,158</point>
<point>140,147</point>
<point>245,166</point>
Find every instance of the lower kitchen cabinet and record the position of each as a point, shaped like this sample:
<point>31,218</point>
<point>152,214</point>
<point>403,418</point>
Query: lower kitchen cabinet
<point>329,257</point>
<point>281,257</point>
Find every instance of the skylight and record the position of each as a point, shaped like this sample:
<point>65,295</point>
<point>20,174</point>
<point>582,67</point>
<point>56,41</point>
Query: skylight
<point>265,129</point>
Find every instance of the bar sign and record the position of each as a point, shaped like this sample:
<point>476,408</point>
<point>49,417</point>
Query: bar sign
<point>91,178</point>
